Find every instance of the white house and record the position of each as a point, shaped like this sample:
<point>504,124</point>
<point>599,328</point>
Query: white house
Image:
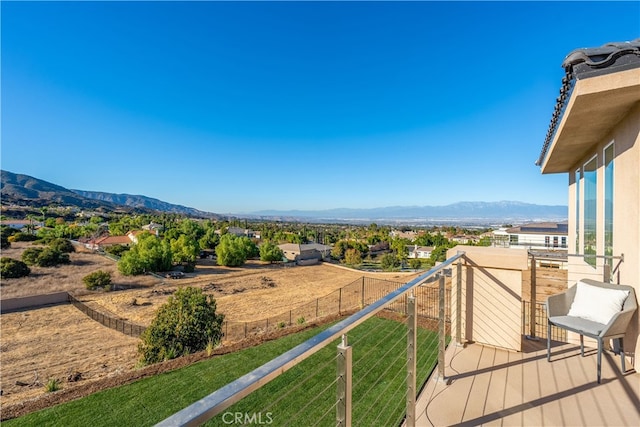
<point>422,252</point>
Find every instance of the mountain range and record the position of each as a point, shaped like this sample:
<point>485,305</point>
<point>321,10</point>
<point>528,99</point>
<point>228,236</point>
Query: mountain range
<point>26,190</point>
<point>455,212</point>
<point>20,189</point>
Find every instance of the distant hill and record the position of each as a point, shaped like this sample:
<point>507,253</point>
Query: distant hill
<point>469,211</point>
<point>138,201</point>
<point>26,190</point>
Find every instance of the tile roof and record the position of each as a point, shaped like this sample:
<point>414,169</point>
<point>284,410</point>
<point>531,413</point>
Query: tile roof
<point>589,62</point>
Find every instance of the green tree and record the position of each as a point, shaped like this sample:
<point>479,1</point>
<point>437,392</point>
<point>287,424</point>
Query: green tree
<point>270,252</point>
<point>339,249</point>
<point>353,257</point>
<point>186,323</point>
<point>250,248</point>
<point>12,268</point>
<point>231,251</point>
<point>415,263</point>
<point>389,262</point>
<point>185,249</point>
<point>149,254</point>
<point>209,240</point>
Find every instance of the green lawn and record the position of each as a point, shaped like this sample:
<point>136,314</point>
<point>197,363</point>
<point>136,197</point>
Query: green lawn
<point>379,348</point>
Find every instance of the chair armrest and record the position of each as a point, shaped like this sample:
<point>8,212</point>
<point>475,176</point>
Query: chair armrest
<point>558,305</point>
<point>618,323</point>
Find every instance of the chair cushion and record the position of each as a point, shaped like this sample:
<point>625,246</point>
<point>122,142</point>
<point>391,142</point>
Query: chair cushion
<point>597,304</point>
<point>578,324</point>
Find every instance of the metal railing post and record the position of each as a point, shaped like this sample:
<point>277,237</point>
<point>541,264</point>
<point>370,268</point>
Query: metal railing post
<point>411,360</point>
<point>343,408</point>
<point>441,327</point>
<point>534,297</point>
<point>459,302</point>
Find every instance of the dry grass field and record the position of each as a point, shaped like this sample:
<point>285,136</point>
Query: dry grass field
<point>60,341</point>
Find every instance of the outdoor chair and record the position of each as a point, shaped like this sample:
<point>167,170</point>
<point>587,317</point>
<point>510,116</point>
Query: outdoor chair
<point>596,309</point>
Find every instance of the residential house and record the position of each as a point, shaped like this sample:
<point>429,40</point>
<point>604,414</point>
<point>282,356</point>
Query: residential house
<point>153,228</point>
<point>411,235</point>
<point>305,254</point>
<point>594,137</point>
<point>422,252</point>
<point>240,232</point>
<point>538,236</point>
<point>464,239</point>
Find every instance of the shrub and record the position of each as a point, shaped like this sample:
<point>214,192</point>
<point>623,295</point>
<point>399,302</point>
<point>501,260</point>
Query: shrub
<point>52,385</point>
<point>23,237</point>
<point>44,257</point>
<point>98,279</point>
<point>51,257</point>
<point>281,325</point>
<point>30,256</point>
<point>186,323</point>
<point>116,250</point>
<point>12,268</point>
<point>300,320</point>
<point>415,263</point>
<point>4,242</point>
<point>62,245</point>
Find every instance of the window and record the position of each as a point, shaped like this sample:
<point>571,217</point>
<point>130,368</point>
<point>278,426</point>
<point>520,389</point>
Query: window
<point>564,242</point>
<point>608,202</point>
<point>590,182</point>
<point>547,241</point>
<point>513,239</point>
<point>555,241</point>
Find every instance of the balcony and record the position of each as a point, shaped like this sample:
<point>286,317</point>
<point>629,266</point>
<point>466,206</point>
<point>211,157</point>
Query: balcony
<point>488,385</point>
<point>493,371</point>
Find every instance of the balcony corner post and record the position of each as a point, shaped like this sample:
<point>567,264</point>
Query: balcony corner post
<point>411,360</point>
<point>344,383</point>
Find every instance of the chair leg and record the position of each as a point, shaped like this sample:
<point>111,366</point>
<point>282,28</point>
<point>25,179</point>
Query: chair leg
<point>622,355</point>
<point>599,357</point>
<point>582,345</point>
<point>548,342</point>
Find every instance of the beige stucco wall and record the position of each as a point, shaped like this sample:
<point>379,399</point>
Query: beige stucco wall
<point>626,226</point>
<point>491,295</point>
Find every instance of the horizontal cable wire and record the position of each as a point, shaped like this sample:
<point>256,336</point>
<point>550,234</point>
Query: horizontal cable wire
<point>294,416</point>
<point>380,359</point>
<point>382,376</point>
<point>373,404</point>
<point>315,372</point>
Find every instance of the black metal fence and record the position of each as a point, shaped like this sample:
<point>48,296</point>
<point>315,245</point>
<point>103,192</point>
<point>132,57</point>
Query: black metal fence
<point>119,325</point>
<point>349,298</point>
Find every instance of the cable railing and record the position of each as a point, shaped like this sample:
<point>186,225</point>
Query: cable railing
<point>386,351</point>
<point>379,366</point>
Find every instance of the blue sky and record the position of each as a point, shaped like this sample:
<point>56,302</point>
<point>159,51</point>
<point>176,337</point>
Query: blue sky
<point>234,107</point>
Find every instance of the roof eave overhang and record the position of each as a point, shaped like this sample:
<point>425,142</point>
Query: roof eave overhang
<point>596,106</point>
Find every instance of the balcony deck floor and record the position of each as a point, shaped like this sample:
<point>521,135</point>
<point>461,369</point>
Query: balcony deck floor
<point>490,386</point>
